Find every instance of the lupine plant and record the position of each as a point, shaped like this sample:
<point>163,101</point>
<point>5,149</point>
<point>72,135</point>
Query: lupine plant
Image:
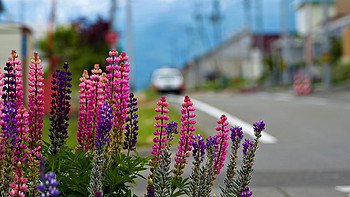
<point>203,174</point>
<point>106,162</point>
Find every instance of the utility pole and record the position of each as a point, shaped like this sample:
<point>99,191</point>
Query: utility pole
<point>260,26</point>
<point>130,45</point>
<point>50,41</point>
<point>247,13</point>
<point>112,14</point>
<point>198,16</point>
<point>308,43</point>
<point>112,20</point>
<point>285,42</point>
<point>216,20</point>
<point>326,46</point>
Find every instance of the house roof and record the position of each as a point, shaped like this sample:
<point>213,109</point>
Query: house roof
<point>300,3</point>
<point>8,28</point>
<point>236,37</point>
<point>312,1</point>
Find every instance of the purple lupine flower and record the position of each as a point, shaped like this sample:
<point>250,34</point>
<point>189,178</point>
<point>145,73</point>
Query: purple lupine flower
<point>9,129</point>
<point>42,168</point>
<point>171,127</point>
<point>48,185</point>
<point>60,108</point>
<point>258,128</point>
<point>150,189</point>
<point>247,144</point>
<point>245,192</point>
<point>8,142</point>
<point>9,83</point>
<point>131,126</point>
<point>236,135</point>
<point>104,125</point>
<point>211,145</point>
<point>171,130</point>
<point>198,147</point>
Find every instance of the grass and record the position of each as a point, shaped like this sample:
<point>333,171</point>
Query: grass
<point>146,120</point>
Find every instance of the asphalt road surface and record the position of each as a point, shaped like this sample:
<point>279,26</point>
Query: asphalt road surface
<point>306,152</point>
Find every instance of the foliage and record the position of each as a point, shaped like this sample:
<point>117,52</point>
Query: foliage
<point>341,72</point>
<point>81,43</point>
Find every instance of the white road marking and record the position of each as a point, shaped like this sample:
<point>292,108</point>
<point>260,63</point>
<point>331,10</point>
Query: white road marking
<point>343,189</point>
<point>216,113</point>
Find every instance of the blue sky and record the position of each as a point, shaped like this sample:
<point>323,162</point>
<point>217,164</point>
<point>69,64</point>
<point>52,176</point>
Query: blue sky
<point>165,32</point>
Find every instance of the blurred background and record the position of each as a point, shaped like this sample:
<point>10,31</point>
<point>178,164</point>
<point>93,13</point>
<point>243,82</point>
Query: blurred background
<point>292,56</point>
<point>215,43</point>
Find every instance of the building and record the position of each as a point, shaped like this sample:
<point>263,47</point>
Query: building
<point>340,25</point>
<point>237,57</point>
<point>18,37</point>
<point>309,15</point>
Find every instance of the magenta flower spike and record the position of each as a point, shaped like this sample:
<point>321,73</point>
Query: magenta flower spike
<point>35,120</point>
<point>222,137</point>
<point>2,115</point>
<point>19,186</point>
<point>117,93</point>
<point>16,64</point>
<point>186,136</point>
<point>94,102</point>
<point>160,133</point>
<point>36,107</point>
<point>83,130</point>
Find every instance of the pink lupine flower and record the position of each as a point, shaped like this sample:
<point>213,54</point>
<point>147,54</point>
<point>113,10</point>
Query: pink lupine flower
<point>94,102</point>
<point>83,130</point>
<point>117,92</point>
<point>20,153</point>
<point>36,106</point>
<point>186,137</point>
<point>35,113</point>
<point>222,138</point>
<point>2,115</point>
<point>160,132</point>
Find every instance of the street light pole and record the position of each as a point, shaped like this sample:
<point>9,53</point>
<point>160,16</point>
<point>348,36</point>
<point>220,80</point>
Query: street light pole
<point>326,46</point>
<point>130,44</point>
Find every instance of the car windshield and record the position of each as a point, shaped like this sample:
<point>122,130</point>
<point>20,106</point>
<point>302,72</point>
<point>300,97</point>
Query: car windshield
<point>168,76</point>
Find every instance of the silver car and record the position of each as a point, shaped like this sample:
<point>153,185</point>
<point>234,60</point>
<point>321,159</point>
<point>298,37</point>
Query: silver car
<point>168,80</point>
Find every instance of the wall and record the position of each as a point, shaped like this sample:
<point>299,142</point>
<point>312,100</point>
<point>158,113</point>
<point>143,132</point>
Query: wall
<point>303,17</point>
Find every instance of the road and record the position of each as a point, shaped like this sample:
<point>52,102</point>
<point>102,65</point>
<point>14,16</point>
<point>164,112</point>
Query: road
<point>310,155</point>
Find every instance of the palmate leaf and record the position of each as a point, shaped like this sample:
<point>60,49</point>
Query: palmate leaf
<point>122,173</point>
<point>182,186</point>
